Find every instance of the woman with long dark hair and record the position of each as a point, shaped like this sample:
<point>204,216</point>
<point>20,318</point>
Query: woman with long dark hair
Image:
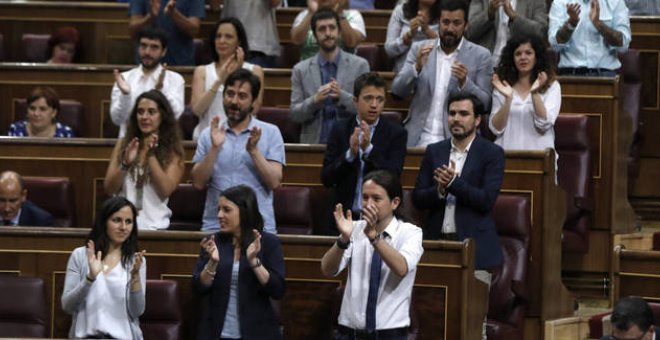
<point>412,21</point>
<point>526,96</point>
<point>228,43</point>
<point>104,287</point>
<point>240,268</point>
<point>147,164</point>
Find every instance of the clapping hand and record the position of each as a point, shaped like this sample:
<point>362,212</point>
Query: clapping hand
<point>573,11</point>
<point>460,71</point>
<point>253,140</point>
<point>123,86</point>
<point>135,270</point>
<point>254,248</point>
<point>370,215</point>
<point>208,244</point>
<point>217,132</point>
<point>365,139</point>
<point>161,78</point>
<point>540,81</point>
<point>155,8</point>
<point>502,86</point>
<point>443,176</point>
<point>95,262</point>
<point>594,13</point>
<point>344,222</point>
<point>151,141</point>
<point>170,7</point>
<point>131,151</point>
<point>423,56</point>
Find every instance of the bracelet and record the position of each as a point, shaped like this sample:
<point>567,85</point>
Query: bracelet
<point>123,166</point>
<point>375,240</point>
<point>256,265</point>
<point>89,280</point>
<point>569,26</point>
<point>341,244</point>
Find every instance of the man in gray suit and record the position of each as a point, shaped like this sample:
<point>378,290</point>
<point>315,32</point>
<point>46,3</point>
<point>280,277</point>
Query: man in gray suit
<point>321,86</point>
<point>493,22</point>
<point>437,68</point>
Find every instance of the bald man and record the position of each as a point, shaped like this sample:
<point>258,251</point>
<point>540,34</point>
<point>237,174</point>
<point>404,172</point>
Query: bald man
<point>15,209</point>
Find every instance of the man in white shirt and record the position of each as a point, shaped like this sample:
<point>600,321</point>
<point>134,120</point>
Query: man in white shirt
<point>151,74</point>
<point>381,254</point>
<point>437,68</point>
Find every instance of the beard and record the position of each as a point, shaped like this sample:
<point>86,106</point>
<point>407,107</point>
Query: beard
<point>464,134</point>
<point>237,118</point>
<point>328,48</point>
<point>449,40</point>
<point>150,64</point>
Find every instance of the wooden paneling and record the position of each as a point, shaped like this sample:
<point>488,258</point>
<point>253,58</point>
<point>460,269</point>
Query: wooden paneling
<point>448,298</point>
<point>635,272</point>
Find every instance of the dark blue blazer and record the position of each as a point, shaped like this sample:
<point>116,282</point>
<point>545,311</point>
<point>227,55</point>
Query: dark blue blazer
<point>388,153</point>
<point>32,215</point>
<point>256,314</point>
<point>475,190</point>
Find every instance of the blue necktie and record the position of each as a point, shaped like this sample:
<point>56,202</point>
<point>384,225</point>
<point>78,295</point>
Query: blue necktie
<point>372,298</point>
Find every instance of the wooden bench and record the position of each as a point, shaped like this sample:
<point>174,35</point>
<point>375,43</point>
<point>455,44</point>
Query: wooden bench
<point>635,272</point>
<point>447,294</point>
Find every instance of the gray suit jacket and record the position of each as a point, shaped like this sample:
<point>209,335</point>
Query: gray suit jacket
<point>532,18</point>
<point>306,80</point>
<point>477,60</point>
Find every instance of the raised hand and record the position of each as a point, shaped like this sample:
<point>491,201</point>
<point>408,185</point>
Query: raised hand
<point>208,244</point>
<point>370,215</point>
<point>95,262</point>
<point>353,142</point>
<point>444,174</point>
<point>151,141</point>
<point>161,78</point>
<point>344,222</point>
<point>594,12</point>
<point>540,81</point>
<point>218,132</point>
<point>502,86</point>
<point>135,270</point>
<point>131,151</point>
<point>123,86</point>
<point>573,11</point>
<point>493,6</point>
<point>323,92</point>
<point>155,8</point>
<point>312,6</point>
<point>253,140</point>
<point>170,7</point>
<point>254,248</point>
<point>423,56</point>
<point>460,71</point>
<point>508,9</point>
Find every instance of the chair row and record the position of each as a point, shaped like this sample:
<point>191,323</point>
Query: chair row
<point>24,309</point>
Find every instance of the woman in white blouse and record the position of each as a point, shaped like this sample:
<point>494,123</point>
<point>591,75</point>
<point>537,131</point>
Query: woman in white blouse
<point>104,287</point>
<point>412,21</point>
<point>228,43</point>
<point>526,97</point>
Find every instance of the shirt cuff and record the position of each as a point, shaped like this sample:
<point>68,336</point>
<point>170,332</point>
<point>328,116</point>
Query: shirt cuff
<point>349,156</point>
<point>367,151</point>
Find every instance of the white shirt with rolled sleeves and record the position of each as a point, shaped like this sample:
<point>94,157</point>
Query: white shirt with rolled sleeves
<point>121,104</point>
<point>394,293</point>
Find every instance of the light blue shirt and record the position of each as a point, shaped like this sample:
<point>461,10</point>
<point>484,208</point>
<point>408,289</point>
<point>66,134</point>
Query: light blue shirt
<point>357,200</point>
<point>232,326</point>
<point>587,47</point>
<point>234,166</point>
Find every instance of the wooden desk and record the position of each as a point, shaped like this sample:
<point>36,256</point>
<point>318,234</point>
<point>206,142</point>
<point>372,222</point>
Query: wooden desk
<point>635,272</point>
<point>447,295</point>
<point>526,173</point>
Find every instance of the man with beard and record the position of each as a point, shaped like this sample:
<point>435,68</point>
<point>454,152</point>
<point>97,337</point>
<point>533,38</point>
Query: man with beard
<point>240,150</point>
<point>321,86</point>
<point>437,68</point>
<point>458,182</point>
<point>151,74</point>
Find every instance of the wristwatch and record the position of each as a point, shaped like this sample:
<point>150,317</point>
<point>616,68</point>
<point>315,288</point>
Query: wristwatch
<point>375,239</point>
<point>570,26</point>
<point>341,244</point>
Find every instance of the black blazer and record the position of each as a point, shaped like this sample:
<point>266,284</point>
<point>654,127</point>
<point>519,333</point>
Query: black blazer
<point>657,334</point>
<point>389,151</point>
<point>476,190</point>
<point>32,215</point>
<point>256,314</point>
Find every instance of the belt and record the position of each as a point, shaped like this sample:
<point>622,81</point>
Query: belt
<point>380,333</point>
<point>585,71</point>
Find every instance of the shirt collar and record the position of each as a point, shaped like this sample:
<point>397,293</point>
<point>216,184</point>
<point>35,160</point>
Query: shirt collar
<point>372,126</point>
<point>392,228</point>
<point>249,127</point>
<point>454,148</point>
<point>154,73</point>
<point>322,61</point>
<point>14,221</point>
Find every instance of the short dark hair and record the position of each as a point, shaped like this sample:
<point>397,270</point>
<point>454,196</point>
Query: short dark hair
<point>368,79</point>
<point>632,311</point>
<point>454,5</point>
<point>99,232</point>
<point>249,215</point>
<point>322,14</point>
<point>153,34</point>
<point>390,182</point>
<point>64,34</point>
<point>477,105</point>
<point>241,35</point>
<point>242,76</point>
<point>47,93</point>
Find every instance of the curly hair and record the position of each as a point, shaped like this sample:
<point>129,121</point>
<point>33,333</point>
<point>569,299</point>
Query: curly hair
<point>506,69</point>
<point>411,7</point>
<point>169,133</point>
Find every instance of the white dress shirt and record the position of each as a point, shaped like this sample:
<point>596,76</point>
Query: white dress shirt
<point>435,122</point>
<point>459,157</point>
<point>121,104</point>
<point>394,293</point>
<point>502,34</point>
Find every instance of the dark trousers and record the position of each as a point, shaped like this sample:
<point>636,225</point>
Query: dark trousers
<point>265,61</point>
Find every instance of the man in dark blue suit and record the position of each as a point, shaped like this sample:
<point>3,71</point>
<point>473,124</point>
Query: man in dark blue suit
<point>361,144</point>
<point>632,318</point>
<point>15,209</point>
<point>458,182</point>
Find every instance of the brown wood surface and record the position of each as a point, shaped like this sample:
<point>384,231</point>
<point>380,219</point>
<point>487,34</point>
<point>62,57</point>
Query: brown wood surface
<point>448,298</point>
<point>635,272</point>
<point>526,173</point>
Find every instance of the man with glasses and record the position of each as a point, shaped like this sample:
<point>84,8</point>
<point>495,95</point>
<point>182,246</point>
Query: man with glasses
<point>632,319</point>
<point>361,144</point>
